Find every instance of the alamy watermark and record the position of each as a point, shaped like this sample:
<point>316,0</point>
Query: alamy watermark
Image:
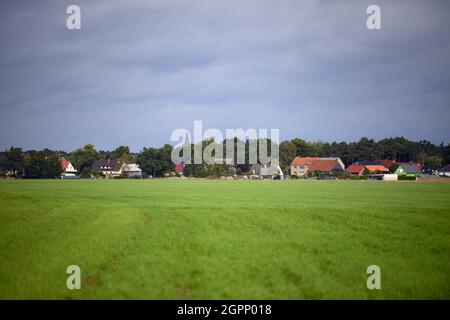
<point>74,280</point>
<point>374,280</point>
<point>249,146</point>
<point>73,21</point>
<point>373,21</point>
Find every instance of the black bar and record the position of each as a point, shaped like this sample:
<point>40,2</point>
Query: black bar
<point>226,309</point>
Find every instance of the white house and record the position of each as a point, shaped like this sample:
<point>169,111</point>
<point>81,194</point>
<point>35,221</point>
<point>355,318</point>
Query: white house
<point>445,171</point>
<point>68,169</point>
<point>132,170</point>
<point>109,168</point>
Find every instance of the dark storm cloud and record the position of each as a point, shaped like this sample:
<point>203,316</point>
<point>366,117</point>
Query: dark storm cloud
<point>139,69</point>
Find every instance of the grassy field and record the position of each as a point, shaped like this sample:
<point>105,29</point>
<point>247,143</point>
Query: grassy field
<point>200,239</point>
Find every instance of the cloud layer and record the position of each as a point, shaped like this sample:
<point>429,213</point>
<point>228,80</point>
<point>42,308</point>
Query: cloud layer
<point>139,69</point>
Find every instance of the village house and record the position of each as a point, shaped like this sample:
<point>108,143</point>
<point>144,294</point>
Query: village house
<point>68,170</point>
<point>386,163</point>
<point>67,166</point>
<point>415,164</point>
<point>109,168</point>
<point>132,170</point>
<point>445,171</point>
<point>301,166</point>
<point>267,171</point>
<point>358,169</point>
<point>408,170</point>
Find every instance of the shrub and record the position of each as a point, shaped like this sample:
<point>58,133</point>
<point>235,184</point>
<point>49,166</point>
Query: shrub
<point>406,178</point>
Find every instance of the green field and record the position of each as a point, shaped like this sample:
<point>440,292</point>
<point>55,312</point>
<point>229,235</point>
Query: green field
<point>207,239</point>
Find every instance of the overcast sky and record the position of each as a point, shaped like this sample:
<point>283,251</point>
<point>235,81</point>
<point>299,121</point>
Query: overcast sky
<point>137,70</point>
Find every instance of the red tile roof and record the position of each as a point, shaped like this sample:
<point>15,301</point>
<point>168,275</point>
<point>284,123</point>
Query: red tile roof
<point>381,169</point>
<point>303,161</point>
<point>64,163</point>
<point>322,165</point>
<point>355,168</point>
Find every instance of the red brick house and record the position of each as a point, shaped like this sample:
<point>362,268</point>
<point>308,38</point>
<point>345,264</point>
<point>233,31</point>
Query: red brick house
<point>301,166</point>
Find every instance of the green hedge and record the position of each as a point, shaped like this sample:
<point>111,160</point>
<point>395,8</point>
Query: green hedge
<point>406,177</point>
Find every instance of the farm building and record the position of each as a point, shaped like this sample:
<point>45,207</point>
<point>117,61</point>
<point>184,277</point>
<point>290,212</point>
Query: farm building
<point>358,169</point>
<point>445,171</point>
<point>132,170</point>
<point>386,163</point>
<point>270,171</point>
<point>415,164</point>
<point>109,168</point>
<point>408,169</point>
<point>301,166</point>
<point>378,169</point>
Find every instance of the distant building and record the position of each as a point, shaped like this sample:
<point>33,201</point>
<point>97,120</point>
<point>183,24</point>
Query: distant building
<point>301,166</point>
<point>358,169</point>
<point>386,163</point>
<point>68,170</point>
<point>445,171</point>
<point>179,169</point>
<point>109,168</point>
<point>267,171</point>
<point>408,169</point>
<point>416,164</point>
<point>132,170</point>
<point>67,166</point>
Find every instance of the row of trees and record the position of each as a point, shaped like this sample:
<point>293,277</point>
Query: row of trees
<point>157,161</point>
<point>46,163</point>
<point>30,164</point>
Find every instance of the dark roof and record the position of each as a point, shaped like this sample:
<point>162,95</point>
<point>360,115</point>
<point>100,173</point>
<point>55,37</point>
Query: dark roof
<point>368,163</point>
<point>418,165</point>
<point>446,168</point>
<point>387,163</point>
<point>106,165</point>
<point>410,168</point>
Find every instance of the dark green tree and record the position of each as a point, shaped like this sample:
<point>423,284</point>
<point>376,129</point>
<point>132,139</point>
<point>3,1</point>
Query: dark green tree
<point>156,161</point>
<point>42,165</point>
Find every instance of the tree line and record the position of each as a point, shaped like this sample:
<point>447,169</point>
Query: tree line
<point>157,161</point>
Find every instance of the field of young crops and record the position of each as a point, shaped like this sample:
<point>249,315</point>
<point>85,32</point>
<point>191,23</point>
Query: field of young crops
<point>211,239</point>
